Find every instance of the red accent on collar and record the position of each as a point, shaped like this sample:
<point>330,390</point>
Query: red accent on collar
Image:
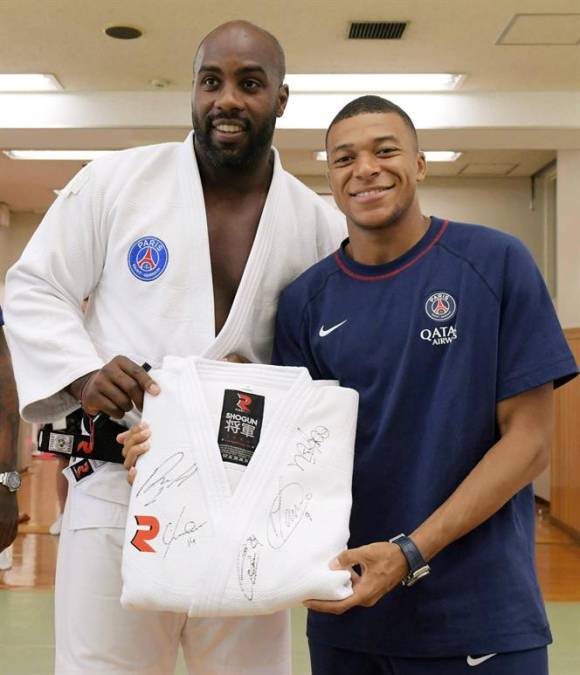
<point>388,275</point>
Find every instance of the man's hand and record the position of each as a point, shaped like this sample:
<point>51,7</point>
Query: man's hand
<point>8,517</point>
<point>135,443</point>
<point>383,566</point>
<point>115,388</point>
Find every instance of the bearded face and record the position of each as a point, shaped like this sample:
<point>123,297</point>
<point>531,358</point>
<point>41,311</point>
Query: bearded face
<point>233,139</point>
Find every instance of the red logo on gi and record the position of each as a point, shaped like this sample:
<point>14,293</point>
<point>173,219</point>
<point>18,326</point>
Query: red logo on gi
<point>141,537</point>
<point>244,402</point>
<point>85,447</point>
<point>81,469</point>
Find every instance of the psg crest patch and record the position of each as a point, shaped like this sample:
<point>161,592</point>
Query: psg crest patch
<point>148,258</point>
<point>440,306</point>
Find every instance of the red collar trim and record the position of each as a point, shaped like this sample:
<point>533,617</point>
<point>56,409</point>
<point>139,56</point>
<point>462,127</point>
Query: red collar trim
<point>388,275</point>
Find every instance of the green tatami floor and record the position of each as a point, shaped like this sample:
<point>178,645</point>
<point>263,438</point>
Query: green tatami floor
<point>26,636</point>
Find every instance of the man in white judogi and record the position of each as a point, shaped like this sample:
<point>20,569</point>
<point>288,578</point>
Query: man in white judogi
<point>183,249</point>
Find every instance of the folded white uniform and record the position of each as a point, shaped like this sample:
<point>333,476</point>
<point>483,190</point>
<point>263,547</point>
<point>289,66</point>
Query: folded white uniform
<point>218,538</point>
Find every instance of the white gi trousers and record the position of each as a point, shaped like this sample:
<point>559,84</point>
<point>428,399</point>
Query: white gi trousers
<point>96,636</point>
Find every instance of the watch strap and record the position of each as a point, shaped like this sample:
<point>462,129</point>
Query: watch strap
<point>11,480</point>
<point>418,568</point>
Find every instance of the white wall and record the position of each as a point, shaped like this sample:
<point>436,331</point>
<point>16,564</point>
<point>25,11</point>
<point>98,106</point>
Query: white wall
<point>503,203</point>
<point>13,239</point>
<point>568,238</point>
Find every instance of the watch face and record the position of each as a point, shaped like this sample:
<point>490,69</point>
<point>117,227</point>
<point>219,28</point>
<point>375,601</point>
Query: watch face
<point>12,481</point>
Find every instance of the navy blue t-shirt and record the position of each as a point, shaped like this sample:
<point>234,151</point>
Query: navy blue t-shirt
<point>432,341</point>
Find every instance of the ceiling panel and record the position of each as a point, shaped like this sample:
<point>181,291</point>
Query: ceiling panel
<point>542,29</point>
<point>488,169</point>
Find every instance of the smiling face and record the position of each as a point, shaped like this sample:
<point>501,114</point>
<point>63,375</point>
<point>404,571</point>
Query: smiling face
<point>237,95</point>
<point>374,167</point>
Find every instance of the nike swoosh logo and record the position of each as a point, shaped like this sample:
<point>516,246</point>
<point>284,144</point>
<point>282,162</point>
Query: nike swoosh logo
<point>472,661</point>
<point>323,333</point>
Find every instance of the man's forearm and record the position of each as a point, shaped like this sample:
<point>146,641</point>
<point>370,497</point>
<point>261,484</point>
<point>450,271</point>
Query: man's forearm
<point>9,418</point>
<point>520,455</point>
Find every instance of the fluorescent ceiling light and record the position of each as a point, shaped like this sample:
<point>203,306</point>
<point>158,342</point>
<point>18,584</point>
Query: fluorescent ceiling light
<point>427,110</point>
<point>442,155</point>
<point>430,155</point>
<point>373,82</point>
<point>71,155</point>
<point>29,82</point>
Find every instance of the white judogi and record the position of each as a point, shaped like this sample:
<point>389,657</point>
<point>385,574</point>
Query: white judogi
<point>250,542</point>
<point>89,245</point>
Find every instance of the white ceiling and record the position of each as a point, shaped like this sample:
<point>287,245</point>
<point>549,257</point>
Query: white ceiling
<point>539,53</point>
<point>66,37</point>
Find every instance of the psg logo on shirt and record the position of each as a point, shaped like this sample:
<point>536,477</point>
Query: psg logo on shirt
<point>440,306</point>
<point>148,258</point>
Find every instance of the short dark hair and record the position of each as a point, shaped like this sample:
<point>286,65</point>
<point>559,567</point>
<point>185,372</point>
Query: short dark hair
<point>372,104</point>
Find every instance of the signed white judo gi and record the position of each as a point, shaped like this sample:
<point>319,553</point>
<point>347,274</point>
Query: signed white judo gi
<point>211,544</point>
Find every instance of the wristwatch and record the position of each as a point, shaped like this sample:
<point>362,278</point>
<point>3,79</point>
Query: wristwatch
<point>10,480</point>
<point>418,568</point>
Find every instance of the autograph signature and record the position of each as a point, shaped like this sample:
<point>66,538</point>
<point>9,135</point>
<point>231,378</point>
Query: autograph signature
<point>248,560</point>
<point>172,531</point>
<point>166,476</point>
<point>307,449</point>
<point>288,509</point>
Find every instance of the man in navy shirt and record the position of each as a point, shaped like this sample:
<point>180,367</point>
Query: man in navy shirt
<point>449,335</point>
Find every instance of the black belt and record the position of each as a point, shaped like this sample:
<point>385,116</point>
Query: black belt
<point>101,444</point>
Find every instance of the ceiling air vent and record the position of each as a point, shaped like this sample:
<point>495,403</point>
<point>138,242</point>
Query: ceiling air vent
<point>376,30</point>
